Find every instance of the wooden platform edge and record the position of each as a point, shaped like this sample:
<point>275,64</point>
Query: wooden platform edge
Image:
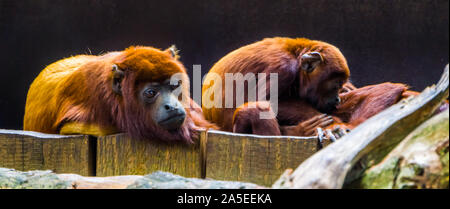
<point>26,150</point>
<point>253,158</point>
<point>138,151</point>
<point>119,155</point>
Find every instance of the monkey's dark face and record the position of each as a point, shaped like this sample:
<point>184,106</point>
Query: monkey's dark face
<point>323,90</point>
<point>329,94</point>
<point>322,76</point>
<point>159,98</point>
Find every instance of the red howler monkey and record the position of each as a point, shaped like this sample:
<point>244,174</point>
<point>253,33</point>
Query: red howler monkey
<point>126,91</point>
<point>309,72</point>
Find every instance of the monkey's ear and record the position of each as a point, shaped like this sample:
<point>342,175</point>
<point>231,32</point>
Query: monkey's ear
<point>309,61</point>
<point>117,79</point>
<point>173,51</point>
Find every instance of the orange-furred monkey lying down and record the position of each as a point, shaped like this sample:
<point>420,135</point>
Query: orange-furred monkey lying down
<point>313,90</point>
<point>126,91</point>
<point>310,75</point>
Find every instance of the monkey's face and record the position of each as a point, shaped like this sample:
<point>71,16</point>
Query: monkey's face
<point>323,75</point>
<point>151,92</point>
<point>157,102</point>
<point>166,110</point>
<point>329,94</point>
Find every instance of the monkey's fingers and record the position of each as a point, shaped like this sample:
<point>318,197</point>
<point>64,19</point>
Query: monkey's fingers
<point>347,88</point>
<point>319,49</point>
<point>340,131</point>
<point>318,121</point>
<point>345,129</point>
<point>310,132</point>
<point>331,135</point>
<point>314,119</point>
<point>326,123</point>
<point>320,124</point>
<point>310,127</point>
<point>306,49</point>
<point>320,135</point>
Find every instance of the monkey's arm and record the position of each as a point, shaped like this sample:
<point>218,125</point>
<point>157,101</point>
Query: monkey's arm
<point>195,112</point>
<point>247,119</point>
<point>298,118</point>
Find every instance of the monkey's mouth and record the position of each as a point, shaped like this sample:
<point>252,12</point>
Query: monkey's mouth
<point>328,107</point>
<point>173,122</point>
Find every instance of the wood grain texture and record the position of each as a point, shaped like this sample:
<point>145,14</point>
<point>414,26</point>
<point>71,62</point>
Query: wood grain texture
<point>256,159</point>
<point>121,155</point>
<point>25,150</point>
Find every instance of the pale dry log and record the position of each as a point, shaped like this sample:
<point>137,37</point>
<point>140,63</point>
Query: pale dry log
<point>346,159</point>
<point>12,179</point>
<point>165,180</point>
<point>421,160</point>
<point>112,182</point>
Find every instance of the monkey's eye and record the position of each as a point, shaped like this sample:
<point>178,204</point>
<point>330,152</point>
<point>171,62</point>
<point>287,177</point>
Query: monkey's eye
<point>150,93</point>
<point>335,88</point>
<point>175,86</point>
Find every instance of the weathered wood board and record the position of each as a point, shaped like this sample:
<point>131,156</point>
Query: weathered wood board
<point>256,159</point>
<point>25,150</point>
<point>220,155</point>
<point>121,155</point>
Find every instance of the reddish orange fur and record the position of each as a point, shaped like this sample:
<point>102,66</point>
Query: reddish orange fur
<point>246,120</point>
<point>282,56</point>
<point>356,105</point>
<point>360,104</point>
<point>279,55</point>
<point>78,89</point>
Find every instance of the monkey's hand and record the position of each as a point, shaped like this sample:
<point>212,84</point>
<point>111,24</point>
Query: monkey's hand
<point>308,127</point>
<point>347,88</point>
<point>333,132</point>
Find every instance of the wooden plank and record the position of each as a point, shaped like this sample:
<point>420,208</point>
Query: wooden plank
<point>252,158</point>
<point>25,150</point>
<point>121,155</point>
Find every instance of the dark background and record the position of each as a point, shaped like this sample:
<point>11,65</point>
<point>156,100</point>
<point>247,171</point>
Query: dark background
<point>403,41</point>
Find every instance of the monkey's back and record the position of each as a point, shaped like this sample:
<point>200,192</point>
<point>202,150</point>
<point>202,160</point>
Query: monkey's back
<point>43,104</point>
<point>270,55</point>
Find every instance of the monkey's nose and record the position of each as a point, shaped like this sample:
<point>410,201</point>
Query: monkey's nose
<point>337,100</point>
<point>169,107</point>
